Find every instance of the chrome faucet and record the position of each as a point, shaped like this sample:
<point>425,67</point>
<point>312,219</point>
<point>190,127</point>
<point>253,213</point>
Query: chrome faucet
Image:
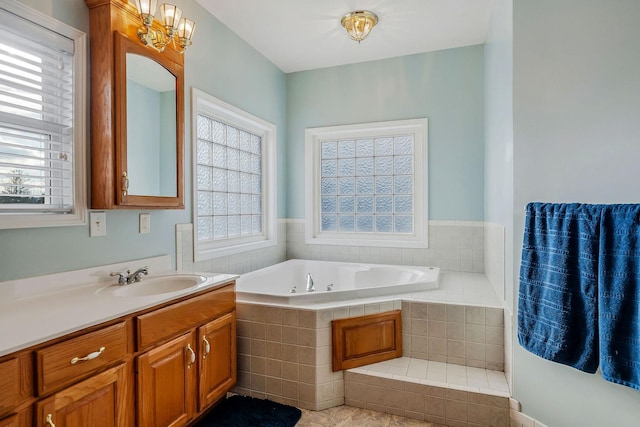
<point>127,278</point>
<point>136,276</point>
<point>310,285</point>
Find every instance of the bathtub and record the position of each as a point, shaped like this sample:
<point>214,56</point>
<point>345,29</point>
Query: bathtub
<point>285,283</point>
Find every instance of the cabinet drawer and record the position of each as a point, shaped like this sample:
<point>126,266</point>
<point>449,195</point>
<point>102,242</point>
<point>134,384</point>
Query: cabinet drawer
<point>68,361</point>
<point>171,320</point>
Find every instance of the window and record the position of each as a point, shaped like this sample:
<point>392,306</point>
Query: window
<point>367,184</point>
<point>234,199</point>
<point>42,120</point>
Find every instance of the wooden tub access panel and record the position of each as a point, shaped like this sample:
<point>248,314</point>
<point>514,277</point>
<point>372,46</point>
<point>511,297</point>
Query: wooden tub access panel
<point>362,340</point>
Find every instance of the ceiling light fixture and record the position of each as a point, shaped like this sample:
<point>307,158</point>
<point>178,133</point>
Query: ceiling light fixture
<point>359,24</point>
<point>175,27</point>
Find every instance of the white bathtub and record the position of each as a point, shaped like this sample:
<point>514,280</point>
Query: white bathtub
<point>274,284</point>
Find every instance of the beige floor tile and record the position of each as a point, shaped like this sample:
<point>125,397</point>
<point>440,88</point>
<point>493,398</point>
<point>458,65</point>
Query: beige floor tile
<point>397,421</point>
<point>316,418</point>
<point>356,417</point>
<point>347,416</point>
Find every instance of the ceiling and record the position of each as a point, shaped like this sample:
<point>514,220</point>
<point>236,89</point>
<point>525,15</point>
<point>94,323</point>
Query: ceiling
<point>301,35</point>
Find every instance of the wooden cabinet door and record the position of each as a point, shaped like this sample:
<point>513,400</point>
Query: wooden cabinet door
<point>99,401</point>
<point>167,383</point>
<point>217,341</point>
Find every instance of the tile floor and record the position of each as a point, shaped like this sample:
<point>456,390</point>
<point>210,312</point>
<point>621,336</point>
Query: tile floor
<point>347,416</point>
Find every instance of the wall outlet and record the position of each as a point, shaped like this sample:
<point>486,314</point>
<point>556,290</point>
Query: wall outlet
<point>98,224</point>
<point>145,223</point>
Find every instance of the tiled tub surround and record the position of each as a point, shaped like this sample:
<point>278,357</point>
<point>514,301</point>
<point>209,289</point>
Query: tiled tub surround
<point>463,335</point>
<point>453,246</point>
<point>494,244</point>
<point>284,352</point>
<point>407,396</point>
<point>238,263</point>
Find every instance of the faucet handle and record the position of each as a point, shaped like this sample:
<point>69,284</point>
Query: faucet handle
<point>122,276</point>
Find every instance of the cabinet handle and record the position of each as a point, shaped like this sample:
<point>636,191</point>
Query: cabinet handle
<point>192,356</point>
<point>49,421</point>
<point>207,348</point>
<point>89,356</point>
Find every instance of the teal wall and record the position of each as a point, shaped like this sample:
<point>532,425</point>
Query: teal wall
<point>576,138</point>
<point>219,63</point>
<point>445,86</point>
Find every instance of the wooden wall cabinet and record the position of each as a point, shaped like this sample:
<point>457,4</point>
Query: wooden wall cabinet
<point>163,366</point>
<point>114,166</point>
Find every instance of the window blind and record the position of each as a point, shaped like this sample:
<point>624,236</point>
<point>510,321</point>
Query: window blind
<point>36,118</point>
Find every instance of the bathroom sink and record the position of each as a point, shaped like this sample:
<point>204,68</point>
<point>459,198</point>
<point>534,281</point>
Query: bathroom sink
<point>159,285</point>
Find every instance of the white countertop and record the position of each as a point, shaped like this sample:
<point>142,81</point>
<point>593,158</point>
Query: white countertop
<point>36,310</point>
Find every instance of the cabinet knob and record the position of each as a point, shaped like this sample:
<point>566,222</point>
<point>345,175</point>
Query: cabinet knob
<point>192,356</point>
<point>49,421</point>
<point>207,347</point>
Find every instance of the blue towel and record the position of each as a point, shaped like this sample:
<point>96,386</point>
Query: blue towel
<point>619,294</point>
<point>557,307</point>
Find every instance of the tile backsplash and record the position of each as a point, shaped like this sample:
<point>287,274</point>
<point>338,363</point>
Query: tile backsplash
<point>453,246</point>
<point>233,264</point>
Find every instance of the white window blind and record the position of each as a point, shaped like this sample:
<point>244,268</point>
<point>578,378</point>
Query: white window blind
<point>36,118</point>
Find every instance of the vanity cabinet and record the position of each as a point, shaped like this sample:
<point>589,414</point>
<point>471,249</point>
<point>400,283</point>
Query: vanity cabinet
<point>187,374</point>
<point>161,366</point>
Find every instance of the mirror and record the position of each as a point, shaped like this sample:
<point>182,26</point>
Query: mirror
<point>149,111</point>
<point>151,128</point>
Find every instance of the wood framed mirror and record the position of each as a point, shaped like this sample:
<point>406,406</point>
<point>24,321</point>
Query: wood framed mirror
<point>149,93</point>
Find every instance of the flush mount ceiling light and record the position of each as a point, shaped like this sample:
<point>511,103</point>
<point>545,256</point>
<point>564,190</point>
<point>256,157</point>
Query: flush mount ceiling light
<point>359,24</point>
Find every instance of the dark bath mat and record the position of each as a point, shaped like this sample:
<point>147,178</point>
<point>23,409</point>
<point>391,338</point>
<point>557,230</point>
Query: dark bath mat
<point>244,411</point>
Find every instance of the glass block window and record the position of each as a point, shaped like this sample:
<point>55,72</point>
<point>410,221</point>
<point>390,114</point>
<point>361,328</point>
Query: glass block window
<point>366,184</point>
<point>234,179</point>
<point>229,181</point>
